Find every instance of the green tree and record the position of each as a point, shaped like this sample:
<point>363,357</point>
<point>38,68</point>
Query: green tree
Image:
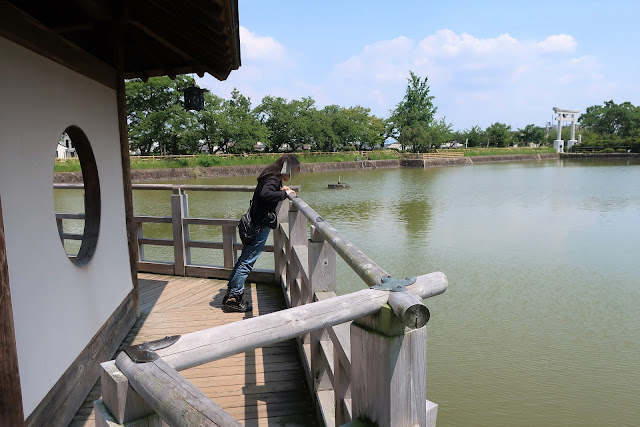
<point>216,128</point>
<point>326,136</point>
<point>475,137</point>
<point>243,128</point>
<point>356,128</point>
<point>438,132</point>
<point>622,120</point>
<point>413,115</point>
<point>150,106</point>
<point>499,134</point>
<point>291,125</point>
<point>531,134</point>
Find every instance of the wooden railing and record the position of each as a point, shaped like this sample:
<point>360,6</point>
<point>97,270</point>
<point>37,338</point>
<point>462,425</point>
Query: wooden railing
<point>181,238</point>
<point>364,353</point>
<point>306,267</point>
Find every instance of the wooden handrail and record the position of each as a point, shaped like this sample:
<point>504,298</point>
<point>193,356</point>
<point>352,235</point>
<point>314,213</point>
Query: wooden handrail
<point>170,395</point>
<point>407,307</point>
<point>204,346</point>
<point>173,187</point>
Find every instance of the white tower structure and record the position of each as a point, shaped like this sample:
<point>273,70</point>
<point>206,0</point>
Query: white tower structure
<point>565,115</point>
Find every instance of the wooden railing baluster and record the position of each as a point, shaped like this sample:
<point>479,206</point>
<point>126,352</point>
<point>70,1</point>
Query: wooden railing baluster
<point>177,215</point>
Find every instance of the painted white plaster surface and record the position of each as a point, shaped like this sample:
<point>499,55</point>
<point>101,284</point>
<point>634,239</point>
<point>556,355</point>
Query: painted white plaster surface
<point>57,306</point>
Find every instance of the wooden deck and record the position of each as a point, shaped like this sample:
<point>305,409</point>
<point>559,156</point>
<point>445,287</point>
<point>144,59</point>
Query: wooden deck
<point>258,388</point>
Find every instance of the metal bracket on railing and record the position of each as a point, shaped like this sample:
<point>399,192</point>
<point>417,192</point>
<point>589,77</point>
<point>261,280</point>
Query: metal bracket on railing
<point>394,285</point>
<point>144,352</point>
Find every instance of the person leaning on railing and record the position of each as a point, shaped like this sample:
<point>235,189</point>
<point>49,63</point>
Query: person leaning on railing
<point>266,197</point>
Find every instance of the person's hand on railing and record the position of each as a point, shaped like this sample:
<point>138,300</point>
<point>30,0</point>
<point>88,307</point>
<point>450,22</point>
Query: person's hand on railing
<point>288,190</point>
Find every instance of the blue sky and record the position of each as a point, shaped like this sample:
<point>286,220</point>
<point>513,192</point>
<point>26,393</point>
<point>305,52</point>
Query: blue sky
<point>486,61</point>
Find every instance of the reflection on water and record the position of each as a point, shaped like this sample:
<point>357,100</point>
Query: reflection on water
<point>540,324</point>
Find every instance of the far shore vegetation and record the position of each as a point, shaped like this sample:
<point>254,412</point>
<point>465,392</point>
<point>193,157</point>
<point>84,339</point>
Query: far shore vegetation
<point>232,132</point>
<point>204,160</point>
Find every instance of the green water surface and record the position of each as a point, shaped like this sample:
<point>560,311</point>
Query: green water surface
<point>540,325</point>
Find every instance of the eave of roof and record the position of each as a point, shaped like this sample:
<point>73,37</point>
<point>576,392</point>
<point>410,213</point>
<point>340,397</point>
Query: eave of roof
<point>155,37</point>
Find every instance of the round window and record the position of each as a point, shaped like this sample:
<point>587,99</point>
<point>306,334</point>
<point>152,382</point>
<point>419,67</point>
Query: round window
<point>78,230</point>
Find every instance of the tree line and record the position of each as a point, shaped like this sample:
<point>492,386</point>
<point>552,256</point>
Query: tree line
<point>158,123</point>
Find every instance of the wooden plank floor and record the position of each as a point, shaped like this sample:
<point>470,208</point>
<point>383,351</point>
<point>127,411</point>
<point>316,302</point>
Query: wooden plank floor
<point>264,387</point>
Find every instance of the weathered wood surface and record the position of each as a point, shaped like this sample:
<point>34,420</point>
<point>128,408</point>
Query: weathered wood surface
<point>175,399</point>
<point>215,343</point>
<point>258,388</point>
<point>10,392</point>
<point>123,130</point>
<point>122,403</point>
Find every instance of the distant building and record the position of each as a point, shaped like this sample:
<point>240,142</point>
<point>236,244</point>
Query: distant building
<point>65,148</point>
<point>452,144</point>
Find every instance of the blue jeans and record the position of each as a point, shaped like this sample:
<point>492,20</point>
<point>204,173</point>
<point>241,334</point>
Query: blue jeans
<point>244,265</point>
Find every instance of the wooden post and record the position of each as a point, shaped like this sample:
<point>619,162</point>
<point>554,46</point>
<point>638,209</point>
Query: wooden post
<point>228,240</point>
<point>140,234</point>
<point>121,99</point>
<point>123,403</point>
<point>177,213</point>
<point>279,244</point>
<point>185,228</point>
<point>322,278</point>
<point>297,237</point>
<point>297,227</point>
<point>388,373</point>
<point>342,390</point>
<point>10,391</point>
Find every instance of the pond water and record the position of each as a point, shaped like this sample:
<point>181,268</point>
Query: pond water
<point>541,321</point>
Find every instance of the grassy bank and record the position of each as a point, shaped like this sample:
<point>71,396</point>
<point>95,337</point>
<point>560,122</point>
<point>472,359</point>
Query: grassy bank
<point>72,165</point>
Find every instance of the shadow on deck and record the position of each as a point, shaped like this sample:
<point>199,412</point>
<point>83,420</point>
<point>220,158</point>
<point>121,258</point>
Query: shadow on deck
<point>262,387</point>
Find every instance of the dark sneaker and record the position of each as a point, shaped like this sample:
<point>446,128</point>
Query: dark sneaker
<point>236,303</point>
<point>225,298</point>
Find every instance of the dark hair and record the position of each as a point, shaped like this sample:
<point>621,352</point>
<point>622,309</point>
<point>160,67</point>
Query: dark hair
<point>275,168</point>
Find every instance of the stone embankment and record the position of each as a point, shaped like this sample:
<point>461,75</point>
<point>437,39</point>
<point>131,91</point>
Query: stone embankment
<point>596,155</point>
<point>219,171</point>
<point>456,161</point>
<point>138,175</point>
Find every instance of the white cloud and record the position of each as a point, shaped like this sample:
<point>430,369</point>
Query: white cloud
<point>474,80</point>
<point>255,47</point>
<point>267,69</point>
<point>558,43</point>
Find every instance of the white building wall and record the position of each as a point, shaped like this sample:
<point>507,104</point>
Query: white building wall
<point>57,306</point>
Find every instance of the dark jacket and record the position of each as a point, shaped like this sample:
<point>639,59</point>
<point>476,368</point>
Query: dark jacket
<point>265,200</point>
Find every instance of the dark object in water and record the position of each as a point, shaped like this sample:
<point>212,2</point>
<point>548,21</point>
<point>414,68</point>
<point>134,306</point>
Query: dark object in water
<point>339,185</point>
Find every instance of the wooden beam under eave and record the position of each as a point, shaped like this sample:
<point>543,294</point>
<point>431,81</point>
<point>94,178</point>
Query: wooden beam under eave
<point>22,29</point>
<point>217,73</point>
<point>162,40</point>
<point>97,10</point>
<point>11,413</point>
<point>121,96</point>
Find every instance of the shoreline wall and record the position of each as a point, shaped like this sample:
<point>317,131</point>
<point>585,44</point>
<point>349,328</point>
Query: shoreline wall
<point>138,175</point>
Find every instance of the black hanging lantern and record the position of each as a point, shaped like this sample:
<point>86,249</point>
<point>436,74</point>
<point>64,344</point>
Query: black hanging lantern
<point>194,98</point>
